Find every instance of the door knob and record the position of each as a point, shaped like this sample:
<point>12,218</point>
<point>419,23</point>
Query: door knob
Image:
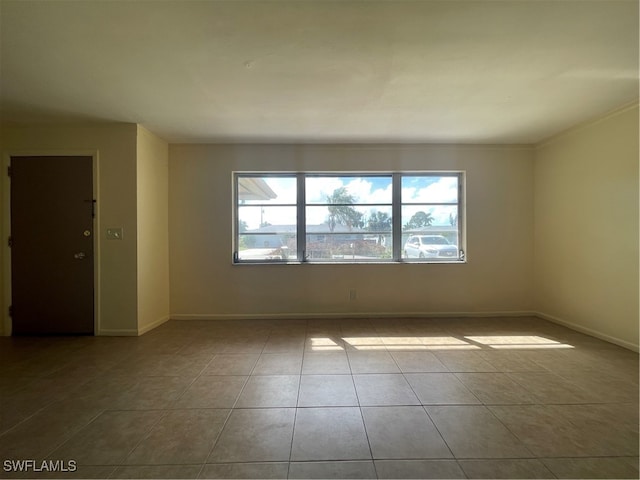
<point>79,255</point>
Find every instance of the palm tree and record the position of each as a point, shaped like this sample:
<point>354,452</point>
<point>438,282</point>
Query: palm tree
<point>341,211</point>
<point>379,222</point>
<point>420,219</point>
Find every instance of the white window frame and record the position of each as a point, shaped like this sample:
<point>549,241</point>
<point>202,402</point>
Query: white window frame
<point>396,208</point>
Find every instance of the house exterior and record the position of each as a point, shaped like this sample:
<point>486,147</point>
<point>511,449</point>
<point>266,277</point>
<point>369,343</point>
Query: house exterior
<point>279,241</point>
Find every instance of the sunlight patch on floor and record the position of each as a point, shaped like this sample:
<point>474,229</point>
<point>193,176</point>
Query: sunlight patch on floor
<point>518,342</point>
<point>473,342</point>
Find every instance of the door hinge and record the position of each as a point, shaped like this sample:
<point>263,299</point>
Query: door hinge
<point>10,241</point>
<point>9,171</point>
<point>10,310</point>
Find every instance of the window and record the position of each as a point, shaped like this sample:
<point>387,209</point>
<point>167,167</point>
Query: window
<point>430,209</point>
<point>266,217</point>
<point>348,217</point>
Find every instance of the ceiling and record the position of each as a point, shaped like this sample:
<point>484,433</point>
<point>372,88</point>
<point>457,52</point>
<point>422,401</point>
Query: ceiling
<point>320,71</point>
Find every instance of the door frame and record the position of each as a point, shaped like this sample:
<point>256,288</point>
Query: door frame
<point>6,228</point>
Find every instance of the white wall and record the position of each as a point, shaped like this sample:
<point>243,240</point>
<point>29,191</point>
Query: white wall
<point>115,147</point>
<point>496,279</point>
<point>552,229</point>
<point>586,228</point>
<point>153,230</point>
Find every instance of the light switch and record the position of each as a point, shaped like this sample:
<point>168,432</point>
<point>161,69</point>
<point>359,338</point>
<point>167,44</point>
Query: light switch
<point>114,233</point>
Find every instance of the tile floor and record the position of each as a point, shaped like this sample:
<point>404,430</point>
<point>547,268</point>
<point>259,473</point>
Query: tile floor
<point>431,398</point>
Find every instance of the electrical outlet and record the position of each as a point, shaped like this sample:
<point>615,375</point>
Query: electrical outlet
<point>352,294</point>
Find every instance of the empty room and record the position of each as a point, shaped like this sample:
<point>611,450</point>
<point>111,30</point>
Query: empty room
<point>319,239</point>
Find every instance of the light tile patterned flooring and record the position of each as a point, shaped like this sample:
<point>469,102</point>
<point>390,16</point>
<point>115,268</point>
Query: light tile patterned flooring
<point>385,398</point>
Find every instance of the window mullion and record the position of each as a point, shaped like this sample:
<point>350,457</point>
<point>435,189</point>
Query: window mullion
<point>460,224</point>
<point>236,218</point>
<point>396,216</point>
<point>301,217</point>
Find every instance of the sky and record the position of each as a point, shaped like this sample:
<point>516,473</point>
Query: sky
<point>366,189</point>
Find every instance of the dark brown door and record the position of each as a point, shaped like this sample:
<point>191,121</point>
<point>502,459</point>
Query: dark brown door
<point>52,245</point>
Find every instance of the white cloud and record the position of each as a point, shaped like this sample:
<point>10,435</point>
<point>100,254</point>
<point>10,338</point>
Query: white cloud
<point>284,188</point>
<point>442,191</point>
<point>317,215</point>
<point>319,188</point>
<point>362,189</point>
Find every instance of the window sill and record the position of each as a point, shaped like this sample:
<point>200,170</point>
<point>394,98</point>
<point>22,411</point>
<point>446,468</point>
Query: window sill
<point>348,262</point>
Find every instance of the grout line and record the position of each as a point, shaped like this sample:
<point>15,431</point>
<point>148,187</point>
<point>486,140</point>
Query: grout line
<point>165,412</point>
<point>425,411</point>
<point>75,432</point>
<point>295,412</point>
<point>364,424</point>
<point>226,420</point>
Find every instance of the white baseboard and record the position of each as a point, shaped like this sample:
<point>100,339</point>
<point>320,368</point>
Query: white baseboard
<point>151,326</point>
<point>305,316</point>
<point>122,332</point>
<point>589,331</point>
<point>129,332</point>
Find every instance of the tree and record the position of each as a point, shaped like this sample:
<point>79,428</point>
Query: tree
<point>341,210</point>
<point>244,241</point>
<point>379,222</point>
<point>420,219</point>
